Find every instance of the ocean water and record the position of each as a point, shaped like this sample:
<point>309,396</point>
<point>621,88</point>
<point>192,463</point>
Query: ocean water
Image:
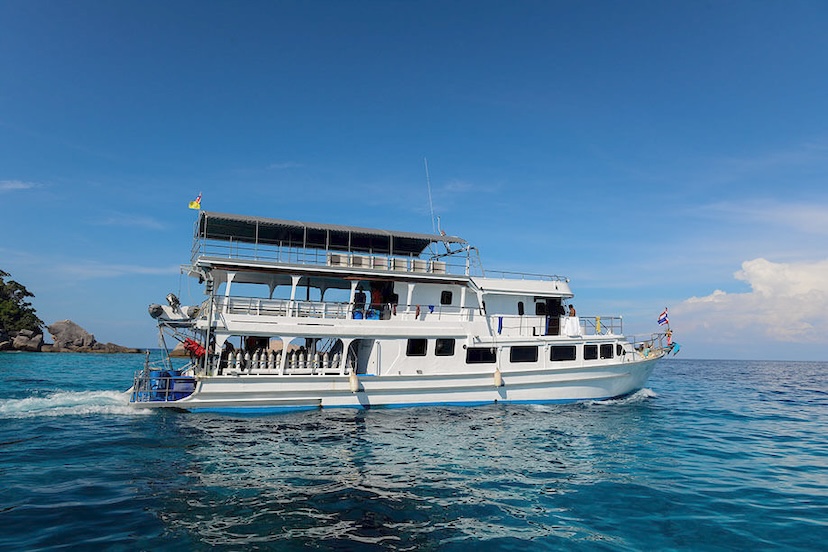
<point>712,455</point>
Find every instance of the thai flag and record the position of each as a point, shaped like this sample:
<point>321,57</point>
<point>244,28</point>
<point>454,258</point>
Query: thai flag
<point>662,318</point>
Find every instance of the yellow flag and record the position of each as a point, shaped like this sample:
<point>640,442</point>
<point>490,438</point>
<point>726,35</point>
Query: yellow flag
<point>196,204</point>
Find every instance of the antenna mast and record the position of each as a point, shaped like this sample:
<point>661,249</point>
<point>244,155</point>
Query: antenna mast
<point>430,204</point>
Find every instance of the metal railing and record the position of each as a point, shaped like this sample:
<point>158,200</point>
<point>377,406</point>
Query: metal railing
<point>284,254</point>
<point>456,263</point>
<point>533,326</point>
<point>507,325</point>
<point>254,306</point>
<point>158,382</point>
<point>525,276</point>
<point>645,345</point>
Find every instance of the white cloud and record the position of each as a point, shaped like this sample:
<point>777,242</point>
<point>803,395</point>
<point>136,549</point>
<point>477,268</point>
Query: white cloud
<point>14,185</point>
<point>788,303</point>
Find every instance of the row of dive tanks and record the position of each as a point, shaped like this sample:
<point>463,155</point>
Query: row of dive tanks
<point>271,362</point>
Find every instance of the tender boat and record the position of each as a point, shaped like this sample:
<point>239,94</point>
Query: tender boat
<point>302,315</point>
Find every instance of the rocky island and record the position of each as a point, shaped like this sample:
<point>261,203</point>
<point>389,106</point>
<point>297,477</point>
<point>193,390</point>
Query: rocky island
<point>22,330</point>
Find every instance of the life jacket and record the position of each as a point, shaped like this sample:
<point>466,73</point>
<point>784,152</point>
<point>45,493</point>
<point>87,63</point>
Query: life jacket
<point>194,347</point>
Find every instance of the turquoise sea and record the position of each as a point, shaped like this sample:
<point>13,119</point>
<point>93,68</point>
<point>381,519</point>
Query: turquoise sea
<point>713,455</point>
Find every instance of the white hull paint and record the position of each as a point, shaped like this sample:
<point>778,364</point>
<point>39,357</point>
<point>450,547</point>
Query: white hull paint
<point>560,385</point>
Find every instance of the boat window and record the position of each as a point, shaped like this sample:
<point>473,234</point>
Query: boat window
<point>523,354</point>
<point>444,347</point>
<point>562,352</point>
<point>540,309</point>
<point>445,298</point>
<point>590,352</point>
<point>416,347</point>
<point>606,350</point>
<point>520,308</point>
<point>619,350</point>
<point>481,355</point>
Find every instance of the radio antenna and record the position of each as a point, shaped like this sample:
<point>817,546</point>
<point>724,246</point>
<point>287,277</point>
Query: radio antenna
<point>430,203</point>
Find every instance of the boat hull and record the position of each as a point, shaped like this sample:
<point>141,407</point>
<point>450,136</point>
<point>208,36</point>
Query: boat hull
<point>259,393</point>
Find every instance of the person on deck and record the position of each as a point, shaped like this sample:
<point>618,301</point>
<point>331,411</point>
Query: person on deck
<point>572,326</point>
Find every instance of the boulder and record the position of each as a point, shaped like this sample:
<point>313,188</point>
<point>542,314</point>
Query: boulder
<point>25,342</point>
<point>113,348</point>
<point>68,335</point>
<point>179,351</point>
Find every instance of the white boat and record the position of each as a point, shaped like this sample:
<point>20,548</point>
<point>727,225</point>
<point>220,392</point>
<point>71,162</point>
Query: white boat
<point>301,315</point>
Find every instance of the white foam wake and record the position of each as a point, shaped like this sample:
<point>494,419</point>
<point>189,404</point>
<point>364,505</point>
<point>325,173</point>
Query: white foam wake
<point>640,396</point>
<point>69,403</point>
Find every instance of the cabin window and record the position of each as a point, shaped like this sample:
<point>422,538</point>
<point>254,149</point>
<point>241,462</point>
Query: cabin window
<point>445,298</point>
<point>444,347</point>
<point>520,308</point>
<point>619,350</point>
<point>562,352</point>
<point>523,354</point>
<point>590,352</point>
<point>606,350</point>
<point>481,355</point>
<point>416,347</point>
<point>540,309</point>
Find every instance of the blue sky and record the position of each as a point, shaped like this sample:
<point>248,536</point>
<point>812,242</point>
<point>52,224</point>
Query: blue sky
<point>656,153</point>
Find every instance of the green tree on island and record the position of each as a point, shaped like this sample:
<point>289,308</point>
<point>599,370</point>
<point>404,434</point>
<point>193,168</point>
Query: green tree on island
<point>16,313</point>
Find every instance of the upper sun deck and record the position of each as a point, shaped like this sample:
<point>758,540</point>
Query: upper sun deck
<point>244,238</point>
<point>228,240</point>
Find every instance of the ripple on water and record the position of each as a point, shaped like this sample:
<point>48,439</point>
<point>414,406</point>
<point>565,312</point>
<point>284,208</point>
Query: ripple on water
<point>711,456</point>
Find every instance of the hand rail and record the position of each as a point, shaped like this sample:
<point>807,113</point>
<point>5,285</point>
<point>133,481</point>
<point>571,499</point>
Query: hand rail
<point>454,263</point>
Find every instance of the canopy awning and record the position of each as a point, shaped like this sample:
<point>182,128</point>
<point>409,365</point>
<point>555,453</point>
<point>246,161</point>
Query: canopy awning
<point>291,233</point>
